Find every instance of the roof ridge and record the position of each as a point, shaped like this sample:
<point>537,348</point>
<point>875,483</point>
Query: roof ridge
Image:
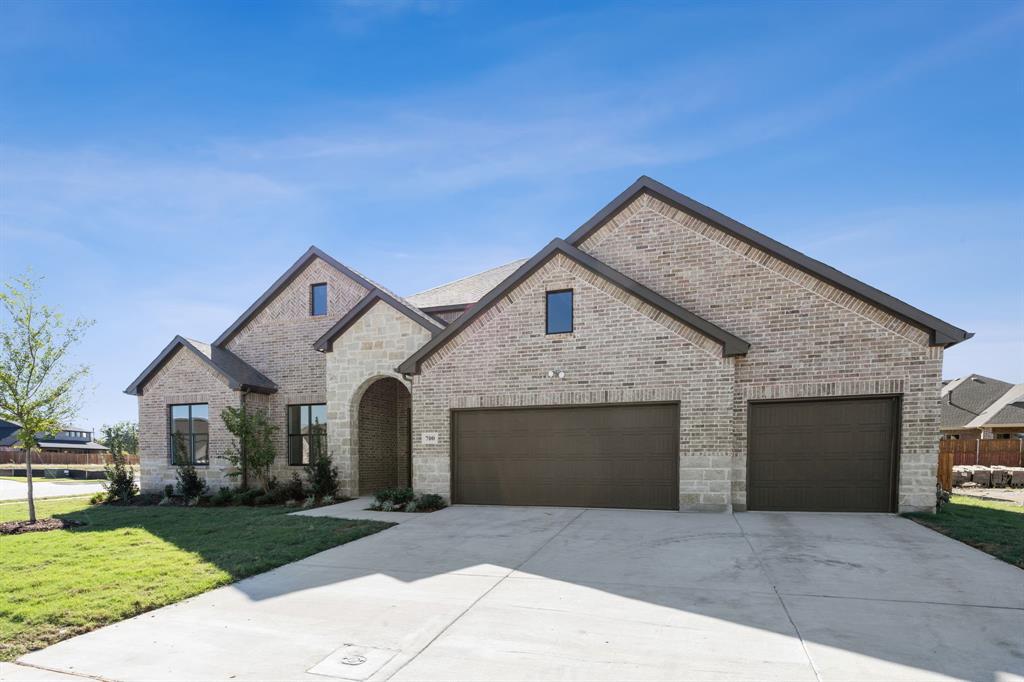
<point>470,276</point>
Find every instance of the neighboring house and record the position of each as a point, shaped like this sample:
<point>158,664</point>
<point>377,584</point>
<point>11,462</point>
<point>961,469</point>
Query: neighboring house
<point>977,407</point>
<point>72,439</point>
<point>663,356</point>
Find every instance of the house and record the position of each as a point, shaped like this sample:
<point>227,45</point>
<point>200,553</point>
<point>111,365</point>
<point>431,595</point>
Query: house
<point>661,356</point>
<point>71,439</point>
<point>977,407</point>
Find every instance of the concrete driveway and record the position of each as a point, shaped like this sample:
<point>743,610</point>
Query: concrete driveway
<point>489,593</point>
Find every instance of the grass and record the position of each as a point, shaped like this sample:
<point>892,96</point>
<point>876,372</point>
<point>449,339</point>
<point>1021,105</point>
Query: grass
<point>993,527</point>
<point>129,560</point>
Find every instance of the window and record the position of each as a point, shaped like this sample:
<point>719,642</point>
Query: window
<point>559,312</point>
<point>190,434</point>
<point>307,432</point>
<point>318,299</point>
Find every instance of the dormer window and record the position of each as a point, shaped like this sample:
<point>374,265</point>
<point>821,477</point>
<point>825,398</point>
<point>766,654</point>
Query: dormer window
<point>318,300</point>
<point>559,312</point>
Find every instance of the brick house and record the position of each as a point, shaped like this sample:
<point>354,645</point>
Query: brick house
<point>662,356</point>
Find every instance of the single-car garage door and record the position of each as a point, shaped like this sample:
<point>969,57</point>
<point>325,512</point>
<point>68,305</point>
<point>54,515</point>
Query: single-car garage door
<point>619,456</point>
<point>822,455</point>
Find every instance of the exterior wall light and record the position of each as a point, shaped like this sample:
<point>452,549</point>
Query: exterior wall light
<point>552,373</point>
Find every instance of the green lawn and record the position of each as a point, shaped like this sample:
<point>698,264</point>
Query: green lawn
<point>993,527</point>
<point>128,560</point>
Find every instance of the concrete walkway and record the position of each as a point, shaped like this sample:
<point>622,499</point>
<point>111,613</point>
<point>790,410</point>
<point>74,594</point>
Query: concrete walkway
<point>491,593</point>
<point>17,490</point>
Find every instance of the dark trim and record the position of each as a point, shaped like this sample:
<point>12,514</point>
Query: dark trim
<point>265,385</point>
<point>572,311</point>
<point>312,312</point>
<point>283,281</point>
<point>288,435</point>
<point>942,333</point>
<point>432,309</point>
<point>191,433</point>
<point>326,342</point>
<point>731,345</point>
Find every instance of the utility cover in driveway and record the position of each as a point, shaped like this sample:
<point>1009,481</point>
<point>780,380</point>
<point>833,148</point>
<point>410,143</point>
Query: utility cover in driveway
<point>822,455</point>
<point>618,456</point>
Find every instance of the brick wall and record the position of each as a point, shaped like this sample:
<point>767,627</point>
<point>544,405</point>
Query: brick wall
<point>621,350</point>
<point>808,338</point>
<point>279,343</point>
<point>378,436</point>
<point>184,379</point>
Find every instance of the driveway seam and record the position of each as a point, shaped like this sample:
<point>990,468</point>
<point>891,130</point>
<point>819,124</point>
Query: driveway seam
<point>84,676</point>
<point>782,603</point>
<point>485,593</point>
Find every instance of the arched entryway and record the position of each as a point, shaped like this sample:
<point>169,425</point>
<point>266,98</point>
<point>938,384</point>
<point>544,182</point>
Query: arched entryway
<point>384,436</point>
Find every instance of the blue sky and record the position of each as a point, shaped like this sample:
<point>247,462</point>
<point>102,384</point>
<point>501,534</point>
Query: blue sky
<point>162,164</point>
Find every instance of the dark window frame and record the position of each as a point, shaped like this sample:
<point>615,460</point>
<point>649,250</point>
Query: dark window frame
<point>191,435</point>
<point>572,311</point>
<point>290,438</point>
<point>312,299</point>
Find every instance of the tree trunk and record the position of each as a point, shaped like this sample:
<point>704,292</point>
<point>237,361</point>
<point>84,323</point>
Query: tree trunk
<point>28,478</point>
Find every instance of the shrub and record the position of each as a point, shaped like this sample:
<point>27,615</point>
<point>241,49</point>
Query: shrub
<point>396,496</point>
<point>430,502</point>
<point>190,484</point>
<point>294,489</point>
<point>168,490</point>
<point>222,497</point>
<point>322,476</point>
<point>264,499</point>
<point>247,497</point>
<point>99,497</point>
<point>120,483</point>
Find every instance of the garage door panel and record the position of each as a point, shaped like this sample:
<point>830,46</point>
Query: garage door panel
<point>828,455</point>
<point>622,456</point>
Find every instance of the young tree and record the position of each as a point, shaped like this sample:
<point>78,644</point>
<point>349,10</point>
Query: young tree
<point>122,438</point>
<point>39,389</point>
<point>252,449</point>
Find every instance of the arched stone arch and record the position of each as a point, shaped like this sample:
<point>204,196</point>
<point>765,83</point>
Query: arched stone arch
<point>379,432</point>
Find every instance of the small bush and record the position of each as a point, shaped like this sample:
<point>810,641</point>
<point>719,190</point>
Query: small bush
<point>294,489</point>
<point>191,485</point>
<point>168,490</point>
<point>322,476</point>
<point>222,497</point>
<point>98,498</point>
<point>410,507</point>
<point>430,502</point>
<point>396,496</point>
<point>120,483</point>
<point>248,497</point>
<point>309,502</point>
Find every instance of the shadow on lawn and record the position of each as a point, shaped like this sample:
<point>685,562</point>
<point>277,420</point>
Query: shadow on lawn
<point>242,541</point>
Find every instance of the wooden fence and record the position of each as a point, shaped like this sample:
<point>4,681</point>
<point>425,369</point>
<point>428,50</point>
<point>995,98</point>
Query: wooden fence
<point>17,456</point>
<point>946,471</point>
<point>1006,452</point>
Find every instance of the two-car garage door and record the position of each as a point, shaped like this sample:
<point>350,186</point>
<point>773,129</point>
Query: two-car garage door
<point>816,455</point>
<point>620,456</point>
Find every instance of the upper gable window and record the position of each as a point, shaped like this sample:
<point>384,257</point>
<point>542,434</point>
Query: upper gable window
<point>318,299</point>
<point>559,312</point>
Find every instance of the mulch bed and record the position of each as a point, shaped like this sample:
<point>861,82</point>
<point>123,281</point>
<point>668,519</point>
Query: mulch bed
<point>18,527</point>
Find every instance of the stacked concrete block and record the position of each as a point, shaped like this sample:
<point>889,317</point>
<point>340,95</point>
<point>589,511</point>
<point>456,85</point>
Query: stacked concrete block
<point>982,476</point>
<point>1016,477</point>
<point>961,475</point>
<point>1000,477</point>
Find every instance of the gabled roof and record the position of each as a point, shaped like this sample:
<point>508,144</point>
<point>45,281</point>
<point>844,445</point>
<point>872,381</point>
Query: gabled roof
<point>942,333</point>
<point>1007,410</point>
<point>466,290</point>
<point>240,375</point>
<point>965,398</point>
<point>293,272</point>
<point>326,342</point>
<point>731,345</point>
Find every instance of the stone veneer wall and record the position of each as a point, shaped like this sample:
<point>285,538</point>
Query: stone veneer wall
<point>808,338</point>
<point>621,350</point>
<point>368,350</point>
<point>279,343</point>
<point>184,379</point>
